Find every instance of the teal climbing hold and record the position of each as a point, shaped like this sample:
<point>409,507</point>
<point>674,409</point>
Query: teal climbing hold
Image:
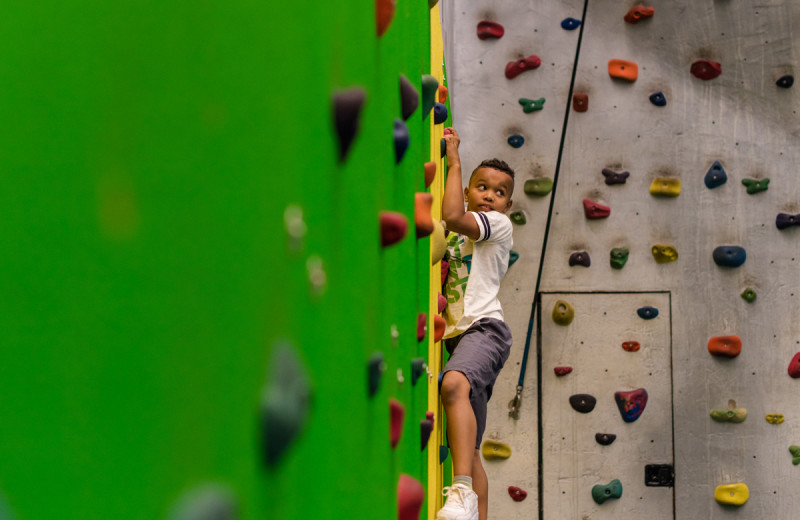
<point>429,87</point>
<point>531,105</point>
<point>602,493</point>
<point>749,295</point>
<point>375,368</point>
<point>206,502</point>
<point>443,453</point>
<point>518,217</point>
<point>417,369</point>
<point>619,256</point>
<point>513,256</point>
<point>755,185</point>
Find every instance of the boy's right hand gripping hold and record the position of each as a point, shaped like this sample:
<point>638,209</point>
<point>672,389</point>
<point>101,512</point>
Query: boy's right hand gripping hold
<point>452,140</point>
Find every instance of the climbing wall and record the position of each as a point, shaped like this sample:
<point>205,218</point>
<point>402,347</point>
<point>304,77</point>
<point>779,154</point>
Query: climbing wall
<point>710,115</point>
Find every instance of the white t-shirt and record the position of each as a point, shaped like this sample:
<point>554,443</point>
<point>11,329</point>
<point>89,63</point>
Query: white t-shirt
<point>476,269</point>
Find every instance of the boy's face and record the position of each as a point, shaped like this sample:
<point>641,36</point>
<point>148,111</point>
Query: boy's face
<point>489,190</point>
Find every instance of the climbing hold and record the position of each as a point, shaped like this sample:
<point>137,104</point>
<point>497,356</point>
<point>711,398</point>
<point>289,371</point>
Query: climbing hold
<point>665,187</point>
<point>639,12</point>
<point>755,185</point>
<point>515,68</point>
<point>442,91</point>
<point>517,494</point>
<point>422,326</point>
<point>375,369</point>
<point>493,450</point>
<point>417,369</point>
<point>441,303</point>
<point>442,147</point>
<point>347,106</point>
<point>749,295</point>
<point>516,141</point>
<point>513,256</point>
<point>401,140</point>
<point>445,270</point>
<point>774,418</point>
<point>518,217</point>
<point>488,30</point>
<point>631,404</point>
<point>794,366</point>
<point>384,13</point>
<point>602,493</point>
<point>631,346</point>
<point>531,105</point>
<point>538,187</point>
<point>613,177</point>
<point>563,313</point>
<point>658,99</point>
<point>425,429</point>
<point>594,210</point>
<point>795,451</point>
<point>715,176</point>
<point>664,253</point>
<point>562,371</point>
<point>726,346</point>
<point>580,258</point>
<point>732,414</point>
<point>570,24</point>
<point>729,256</point>
<point>439,113</point>
<point>706,70</point>
<point>206,502</point>
<point>409,98</point>
<point>604,439</point>
<point>580,102</point>
<point>397,413</point>
<point>410,497</point>
<point>622,69</point>
<point>432,3</point>
<point>785,81</point>
<point>422,214</point>
<point>732,494</point>
<point>583,403</point>
<point>647,313</point>
<point>438,242</point>
<point>438,328</point>
<point>619,257</point>
<point>430,173</point>
<point>444,451</point>
<point>429,87</point>
<point>394,227</point>
<point>285,402</point>
<point>785,220</point>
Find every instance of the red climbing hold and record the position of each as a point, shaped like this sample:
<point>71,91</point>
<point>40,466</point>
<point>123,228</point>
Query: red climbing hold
<point>706,70</point>
<point>442,94</point>
<point>438,328</point>
<point>410,496</point>
<point>396,415</point>
<point>726,346</point>
<point>515,68</point>
<point>794,366</point>
<point>638,13</point>
<point>490,30</point>
<point>384,13</point>
<point>594,210</point>
<point>445,270</point>
<point>630,346</point>
<point>580,102</point>
<point>422,214</point>
<point>422,326</point>
<point>442,302</point>
<point>562,371</point>
<point>517,494</point>
<point>394,227</point>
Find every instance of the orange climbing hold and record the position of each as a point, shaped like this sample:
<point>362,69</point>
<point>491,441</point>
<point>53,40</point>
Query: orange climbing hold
<point>397,413</point>
<point>438,328</point>
<point>727,346</point>
<point>394,227</point>
<point>410,496</point>
<point>631,346</point>
<point>384,14</point>
<point>442,94</point>
<point>621,69</point>
<point>430,173</point>
<point>422,214</point>
<point>580,102</point>
<point>638,13</point>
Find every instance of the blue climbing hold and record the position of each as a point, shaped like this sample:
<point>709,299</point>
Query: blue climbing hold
<point>401,140</point>
<point>439,114</point>
<point>570,24</point>
<point>658,99</point>
<point>729,256</point>
<point>442,147</point>
<point>647,313</point>
<point>516,141</point>
<point>715,176</point>
<point>785,81</point>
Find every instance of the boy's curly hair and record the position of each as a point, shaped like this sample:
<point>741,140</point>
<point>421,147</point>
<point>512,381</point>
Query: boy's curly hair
<point>496,164</point>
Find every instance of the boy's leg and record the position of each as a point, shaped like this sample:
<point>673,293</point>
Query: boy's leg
<point>480,485</point>
<point>461,424</point>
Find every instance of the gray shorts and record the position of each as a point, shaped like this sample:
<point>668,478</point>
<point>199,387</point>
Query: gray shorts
<point>479,354</point>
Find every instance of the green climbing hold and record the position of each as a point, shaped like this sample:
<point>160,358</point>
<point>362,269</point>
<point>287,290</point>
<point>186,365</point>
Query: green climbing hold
<point>602,493</point>
<point>513,256</point>
<point>734,415</point>
<point>749,295</point>
<point>795,451</point>
<point>531,105</point>
<point>619,256</point>
<point>563,313</point>
<point>755,185</point>
<point>539,187</point>
<point>429,87</point>
<point>518,217</point>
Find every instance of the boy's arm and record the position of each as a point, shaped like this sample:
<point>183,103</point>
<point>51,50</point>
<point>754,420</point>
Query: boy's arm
<point>453,213</point>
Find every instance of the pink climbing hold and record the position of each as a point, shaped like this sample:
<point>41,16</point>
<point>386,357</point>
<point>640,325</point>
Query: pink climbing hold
<point>794,366</point>
<point>517,494</point>
<point>488,30</point>
<point>594,210</point>
<point>639,12</point>
<point>422,326</point>
<point>410,496</point>
<point>562,371</point>
<point>706,69</point>
<point>397,413</point>
<point>515,68</point>
<point>441,302</point>
<point>394,227</point>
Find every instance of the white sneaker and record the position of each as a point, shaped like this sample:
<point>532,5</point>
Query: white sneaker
<point>461,504</point>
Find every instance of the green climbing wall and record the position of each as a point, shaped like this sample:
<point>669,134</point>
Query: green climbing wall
<point>149,154</point>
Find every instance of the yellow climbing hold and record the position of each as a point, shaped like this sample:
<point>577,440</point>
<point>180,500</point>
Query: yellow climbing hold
<point>734,415</point>
<point>563,313</point>
<point>664,253</point>
<point>493,450</point>
<point>438,242</point>
<point>732,494</point>
<point>774,418</point>
<point>665,187</point>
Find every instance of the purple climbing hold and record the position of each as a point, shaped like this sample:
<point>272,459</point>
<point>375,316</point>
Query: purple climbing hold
<point>583,403</point>
<point>425,429</point>
<point>439,113</point>
<point>631,404</point>
<point>409,98</point>
<point>785,220</point>
<point>580,258</point>
<point>346,115</point>
<point>613,177</point>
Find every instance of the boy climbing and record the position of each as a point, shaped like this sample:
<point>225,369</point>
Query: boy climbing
<point>476,336</point>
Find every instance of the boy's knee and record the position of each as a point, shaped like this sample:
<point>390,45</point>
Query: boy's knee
<point>455,385</point>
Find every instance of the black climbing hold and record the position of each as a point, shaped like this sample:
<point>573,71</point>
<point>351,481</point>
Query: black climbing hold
<point>513,256</point>
<point>375,369</point>
<point>347,106</point>
<point>729,256</point>
<point>516,140</point>
<point>409,97</point>
<point>429,87</point>
<point>580,258</point>
<point>715,176</point>
<point>647,313</point>
<point>417,369</point>
<point>443,453</point>
<point>613,177</point>
<point>785,81</point>
<point>570,24</point>
<point>604,438</point>
<point>401,140</point>
<point>785,220</point>
<point>425,429</point>
<point>658,99</point>
<point>583,403</point>
<point>439,114</point>
<point>285,402</point>
<point>207,502</point>
<point>442,147</point>
<point>659,475</point>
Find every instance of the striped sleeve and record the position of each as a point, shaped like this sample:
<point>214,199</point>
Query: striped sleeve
<point>493,225</point>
